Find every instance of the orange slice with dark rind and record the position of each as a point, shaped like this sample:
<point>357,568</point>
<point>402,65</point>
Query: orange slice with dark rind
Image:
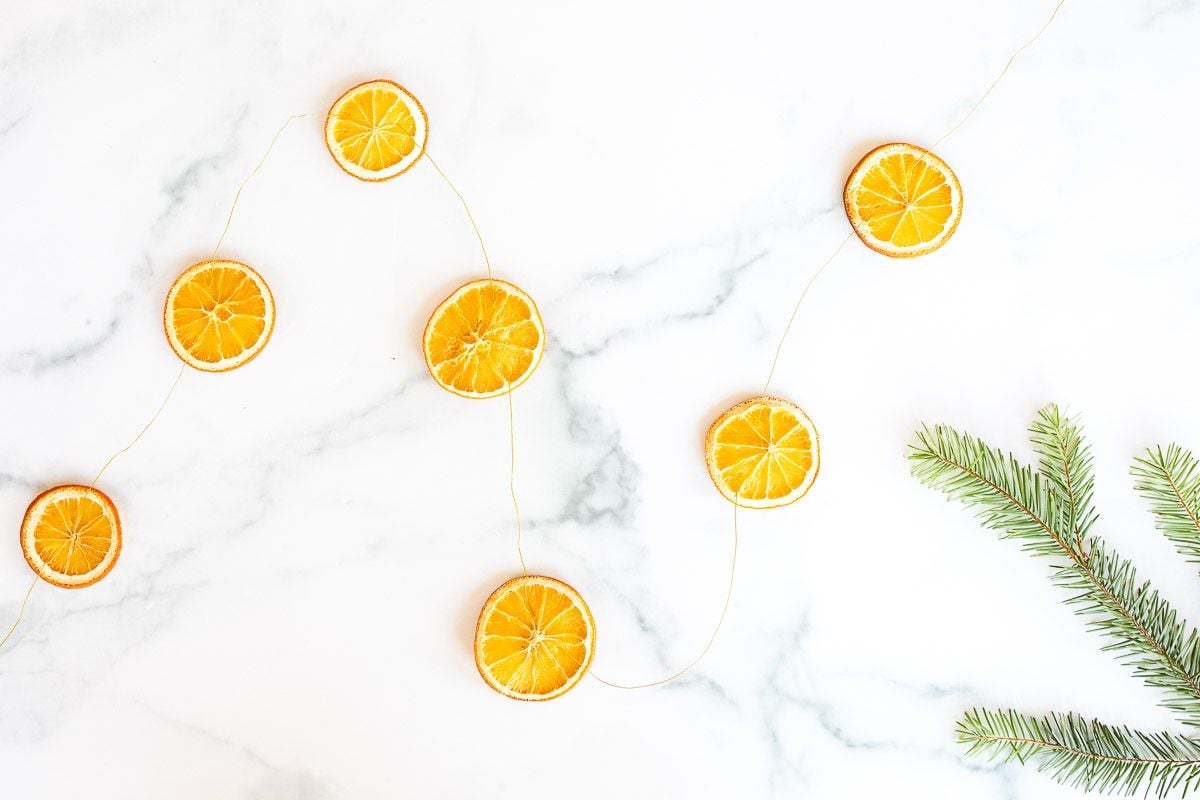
<point>219,315</point>
<point>903,201</point>
<point>71,535</point>
<point>376,130</point>
<point>535,638</point>
<point>763,453</point>
<point>484,340</point>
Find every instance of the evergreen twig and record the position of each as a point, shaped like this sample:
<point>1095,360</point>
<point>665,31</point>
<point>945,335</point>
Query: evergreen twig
<point>1085,754</point>
<point>1050,512</point>
<point>1170,481</point>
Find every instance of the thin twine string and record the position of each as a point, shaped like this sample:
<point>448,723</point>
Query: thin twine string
<point>238,195</point>
<point>512,428</point>
<point>466,207</point>
<point>954,128</point>
<point>179,376</point>
<point>512,477</point>
<point>711,639</point>
<point>20,612</point>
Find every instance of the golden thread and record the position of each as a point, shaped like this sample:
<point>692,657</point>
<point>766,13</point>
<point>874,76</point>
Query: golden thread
<point>512,479</point>
<point>795,309</point>
<point>238,195</point>
<point>20,613</point>
<point>142,432</point>
<point>1003,72</point>
<point>711,639</point>
<point>467,208</point>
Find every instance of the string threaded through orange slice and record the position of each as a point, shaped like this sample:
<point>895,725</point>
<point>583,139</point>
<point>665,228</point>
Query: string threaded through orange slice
<point>71,535</point>
<point>762,453</point>
<point>376,130</point>
<point>903,200</point>
<point>219,315</point>
<point>535,638</point>
<point>484,340</point>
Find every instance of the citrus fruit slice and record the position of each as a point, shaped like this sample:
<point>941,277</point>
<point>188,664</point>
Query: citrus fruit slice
<point>219,315</point>
<point>484,340</point>
<point>763,453</point>
<point>376,130</point>
<point>903,201</point>
<point>535,638</point>
<point>71,535</point>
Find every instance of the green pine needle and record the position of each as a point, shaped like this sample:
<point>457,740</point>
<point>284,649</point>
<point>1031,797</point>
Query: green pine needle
<point>1050,512</point>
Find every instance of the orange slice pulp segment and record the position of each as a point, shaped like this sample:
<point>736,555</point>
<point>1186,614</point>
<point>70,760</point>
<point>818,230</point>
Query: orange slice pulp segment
<point>762,453</point>
<point>376,130</point>
<point>903,200</point>
<point>484,340</point>
<point>219,315</point>
<point>71,535</point>
<point>535,638</point>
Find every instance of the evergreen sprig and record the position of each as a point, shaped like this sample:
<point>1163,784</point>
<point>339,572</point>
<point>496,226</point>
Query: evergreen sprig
<point>1085,754</point>
<point>1170,480</point>
<point>1050,512</point>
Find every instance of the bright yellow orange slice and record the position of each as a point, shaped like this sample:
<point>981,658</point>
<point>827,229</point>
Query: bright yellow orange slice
<point>71,535</point>
<point>484,340</point>
<point>903,201</point>
<point>763,453</point>
<point>219,315</point>
<point>535,638</point>
<point>376,130</point>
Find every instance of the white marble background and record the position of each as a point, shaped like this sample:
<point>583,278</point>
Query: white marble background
<point>308,540</point>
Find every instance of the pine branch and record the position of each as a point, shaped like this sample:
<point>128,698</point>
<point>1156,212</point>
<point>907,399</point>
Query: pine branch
<point>1171,482</point>
<point>1066,461</point>
<point>1144,631</point>
<point>1010,496</point>
<point>1085,754</point>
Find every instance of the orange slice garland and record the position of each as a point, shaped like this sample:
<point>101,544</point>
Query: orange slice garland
<point>219,315</point>
<point>763,453</point>
<point>71,535</point>
<point>903,200</point>
<point>376,130</point>
<point>535,638</point>
<point>484,340</point>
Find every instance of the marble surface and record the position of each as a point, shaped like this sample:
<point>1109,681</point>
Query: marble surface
<point>309,539</point>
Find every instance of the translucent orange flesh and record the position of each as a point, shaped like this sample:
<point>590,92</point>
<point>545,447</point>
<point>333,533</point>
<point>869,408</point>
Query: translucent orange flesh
<point>374,128</point>
<point>763,453</point>
<point>485,339</point>
<point>904,200</point>
<point>533,639</point>
<point>219,313</point>
<point>73,535</point>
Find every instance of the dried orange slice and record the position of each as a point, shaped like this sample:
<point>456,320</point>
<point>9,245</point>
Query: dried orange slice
<point>219,315</point>
<point>535,638</point>
<point>71,535</point>
<point>763,453</point>
<point>484,340</point>
<point>903,201</point>
<point>376,130</point>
